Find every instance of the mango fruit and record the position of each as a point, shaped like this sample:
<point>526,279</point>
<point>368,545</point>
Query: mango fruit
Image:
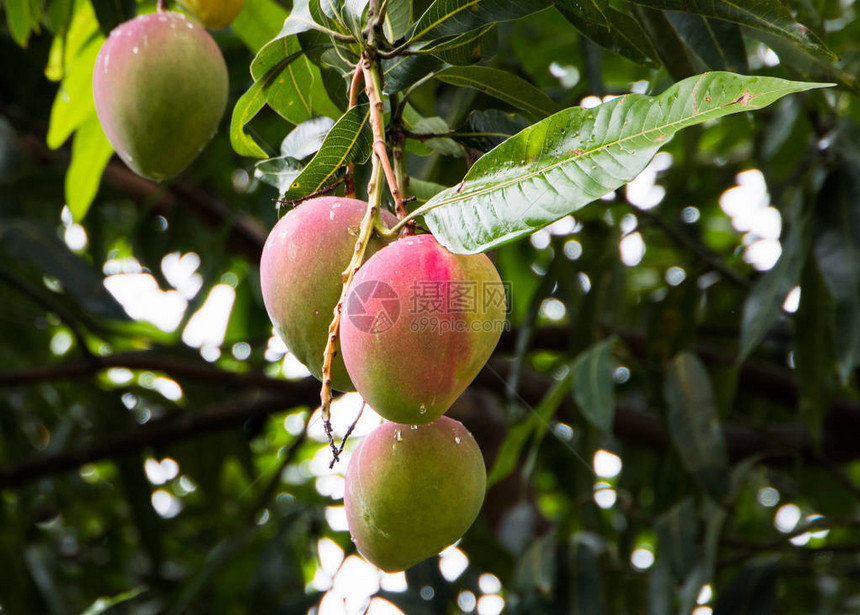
<point>160,90</point>
<point>412,490</point>
<point>214,14</point>
<point>420,323</point>
<point>300,275</point>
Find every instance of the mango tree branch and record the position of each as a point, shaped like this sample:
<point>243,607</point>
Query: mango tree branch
<point>365,231</point>
<point>369,223</point>
<point>373,86</point>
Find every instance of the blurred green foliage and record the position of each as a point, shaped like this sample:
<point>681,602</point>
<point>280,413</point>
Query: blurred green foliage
<point>702,324</point>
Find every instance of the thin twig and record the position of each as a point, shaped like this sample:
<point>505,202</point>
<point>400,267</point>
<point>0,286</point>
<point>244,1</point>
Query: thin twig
<point>346,436</point>
<point>51,305</point>
<point>159,432</point>
<point>366,230</point>
<point>374,93</point>
<point>289,456</point>
<point>685,241</point>
<point>313,195</point>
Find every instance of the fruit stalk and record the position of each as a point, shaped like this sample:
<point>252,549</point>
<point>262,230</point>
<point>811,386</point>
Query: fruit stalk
<point>368,223</point>
<point>373,86</point>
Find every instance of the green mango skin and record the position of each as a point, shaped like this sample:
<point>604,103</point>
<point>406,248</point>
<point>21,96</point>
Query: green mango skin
<point>160,89</point>
<point>411,491</point>
<point>412,371</point>
<point>300,275</point>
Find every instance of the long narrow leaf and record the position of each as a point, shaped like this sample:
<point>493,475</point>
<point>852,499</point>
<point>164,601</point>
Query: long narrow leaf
<point>694,424</point>
<point>449,17</point>
<point>349,140</point>
<point>502,85</point>
<point>767,15</point>
<point>578,155</point>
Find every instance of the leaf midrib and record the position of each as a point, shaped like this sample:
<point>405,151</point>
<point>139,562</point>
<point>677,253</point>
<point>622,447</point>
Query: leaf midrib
<point>589,153</point>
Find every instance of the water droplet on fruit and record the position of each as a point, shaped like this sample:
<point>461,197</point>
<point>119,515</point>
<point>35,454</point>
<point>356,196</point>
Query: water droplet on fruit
<point>422,409</point>
<point>413,427</point>
<point>397,435</point>
<point>457,439</point>
<point>135,50</point>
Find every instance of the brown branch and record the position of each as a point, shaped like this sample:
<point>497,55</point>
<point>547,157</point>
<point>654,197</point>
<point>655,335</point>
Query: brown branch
<point>683,240</point>
<point>320,192</point>
<point>161,432</point>
<point>148,360</point>
<point>347,435</point>
<point>244,234</point>
<point>634,424</point>
<point>374,94</point>
<point>368,223</point>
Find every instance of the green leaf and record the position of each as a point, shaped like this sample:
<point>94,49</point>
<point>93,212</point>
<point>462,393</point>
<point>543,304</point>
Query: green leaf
<point>674,54</point>
<point>337,89</point>
<point>450,17</point>
<point>676,538</point>
<point>305,15</point>
<point>74,104</point>
<point>296,90</point>
<point>694,424</point>
<point>538,419</point>
<point>503,85</point>
<point>104,604</point>
<point>267,69</point>
<point>814,351</point>
<point>660,587</point>
<point>58,15</point>
<point>398,18</point>
<point>466,48</point>
<point>112,13</point>
<point>585,583</point>
<point>401,72</point>
<point>592,11</point>
<point>21,20</point>
<point>806,66</point>
<point>623,35</point>
<point>353,14</point>
<point>564,162</point>
<point>719,44</point>
<point>91,152</point>
<point>349,140</point>
<point>289,92</point>
<point>78,34</point>
<point>484,130</point>
<point>767,15</point>
<point>306,138</point>
<point>431,125</point>
<point>279,172</point>
<point>752,591</point>
<point>422,190</point>
<point>763,305</point>
<point>40,247</point>
<point>248,105</point>
<point>837,254</point>
<point>536,566</point>
<point>257,22</point>
<point>593,387</point>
